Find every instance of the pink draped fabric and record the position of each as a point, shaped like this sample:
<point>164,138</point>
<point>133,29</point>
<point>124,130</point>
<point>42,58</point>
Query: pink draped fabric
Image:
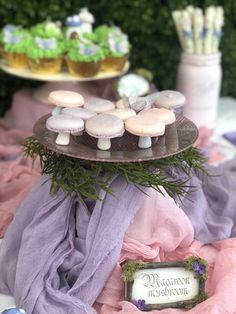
<point>162,232</point>
<point>16,179</point>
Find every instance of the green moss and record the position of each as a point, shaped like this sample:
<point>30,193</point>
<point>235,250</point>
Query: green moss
<point>36,53</point>
<point>130,268</point>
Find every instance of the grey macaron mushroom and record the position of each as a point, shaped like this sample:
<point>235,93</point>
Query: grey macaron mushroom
<point>98,105</point>
<point>82,113</point>
<point>104,127</point>
<point>146,127</point>
<point>170,99</point>
<point>64,125</point>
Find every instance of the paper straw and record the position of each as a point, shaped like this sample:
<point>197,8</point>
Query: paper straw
<point>198,30</point>
<point>190,9</point>
<point>209,29</point>
<point>186,25</point>
<point>218,24</point>
<point>177,18</point>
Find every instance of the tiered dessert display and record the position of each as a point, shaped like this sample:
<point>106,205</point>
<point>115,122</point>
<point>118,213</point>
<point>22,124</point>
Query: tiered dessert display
<point>74,53</point>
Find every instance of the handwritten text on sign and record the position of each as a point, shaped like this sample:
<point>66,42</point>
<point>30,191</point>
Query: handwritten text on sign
<point>164,285</point>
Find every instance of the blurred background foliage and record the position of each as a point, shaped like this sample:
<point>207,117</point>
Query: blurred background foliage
<point>149,26</point>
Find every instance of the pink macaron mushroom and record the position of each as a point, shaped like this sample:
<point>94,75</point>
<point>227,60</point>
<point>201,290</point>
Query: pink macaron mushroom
<point>123,114</point>
<point>165,115</point>
<point>64,125</point>
<point>65,99</point>
<point>146,127</point>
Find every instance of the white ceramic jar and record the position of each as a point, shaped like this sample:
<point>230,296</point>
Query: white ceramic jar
<point>199,79</point>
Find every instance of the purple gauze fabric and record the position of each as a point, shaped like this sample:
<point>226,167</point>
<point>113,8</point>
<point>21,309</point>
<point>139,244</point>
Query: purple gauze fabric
<point>57,255</point>
<point>212,206</point>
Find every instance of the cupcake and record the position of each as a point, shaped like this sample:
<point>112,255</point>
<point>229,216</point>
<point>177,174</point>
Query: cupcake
<point>116,47</point>
<point>84,58</point>
<point>15,43</point>
<point>46,55</point>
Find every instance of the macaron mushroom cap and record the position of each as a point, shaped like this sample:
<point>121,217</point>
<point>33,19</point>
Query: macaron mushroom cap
<point>165,115</point>
<point>64,98</point>
<point>123,114</point>
<point>82,113</point>
<point>104,127</point>
<point>65,124</point>
<point>98,105</point>
<point>170,99</point>
<point>145,125</point>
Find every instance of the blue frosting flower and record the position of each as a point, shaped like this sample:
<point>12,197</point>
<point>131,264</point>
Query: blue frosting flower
<point>140,304</point>
<point>13,310</point>
<point>46,43</point>
<point>10,38</point>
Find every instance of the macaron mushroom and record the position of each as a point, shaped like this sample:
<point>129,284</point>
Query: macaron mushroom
<point>82,113</point>
<point>98,105</point>
<point>65,99</point>
<point>146,127</point>
<point>170,99</point>
<point>104,127</point>
<point>123,114</point>
<point>165,115</point>
<point>65,125</point>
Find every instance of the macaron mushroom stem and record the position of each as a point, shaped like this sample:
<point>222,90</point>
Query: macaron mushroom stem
<point>63,139</point>
<point>104,143</point>
<point>144,142</point>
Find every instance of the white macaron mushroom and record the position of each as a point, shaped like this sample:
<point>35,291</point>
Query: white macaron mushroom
<point>98,105</point>
<point>123,114</point>
<point>104,127</point>
<point>65,125</point>
<point>170,99</point>
<point>82,113</point>
<point>165,115</point>
<point>146,127</point>
<point>65,99</point>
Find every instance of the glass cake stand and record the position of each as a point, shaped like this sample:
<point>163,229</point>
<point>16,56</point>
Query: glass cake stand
<point>63,80</point>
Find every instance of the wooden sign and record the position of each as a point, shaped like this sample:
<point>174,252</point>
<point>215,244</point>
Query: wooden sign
<point>152,286</point>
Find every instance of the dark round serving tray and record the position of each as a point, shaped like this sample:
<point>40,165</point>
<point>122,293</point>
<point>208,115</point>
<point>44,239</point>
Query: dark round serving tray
<point>178,137</point>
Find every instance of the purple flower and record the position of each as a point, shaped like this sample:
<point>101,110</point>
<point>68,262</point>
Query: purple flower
<point>140,304</point>
<point>199,268</point>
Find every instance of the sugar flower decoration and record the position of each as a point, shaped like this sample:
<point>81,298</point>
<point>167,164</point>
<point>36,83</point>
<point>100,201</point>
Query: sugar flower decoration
<point>88,50</point>
<point>10,28</point>
<point>140,304</point>
<point>118,43</point>
<point>10,38</point>
<point>199,268</point>
<point>46,43</point>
